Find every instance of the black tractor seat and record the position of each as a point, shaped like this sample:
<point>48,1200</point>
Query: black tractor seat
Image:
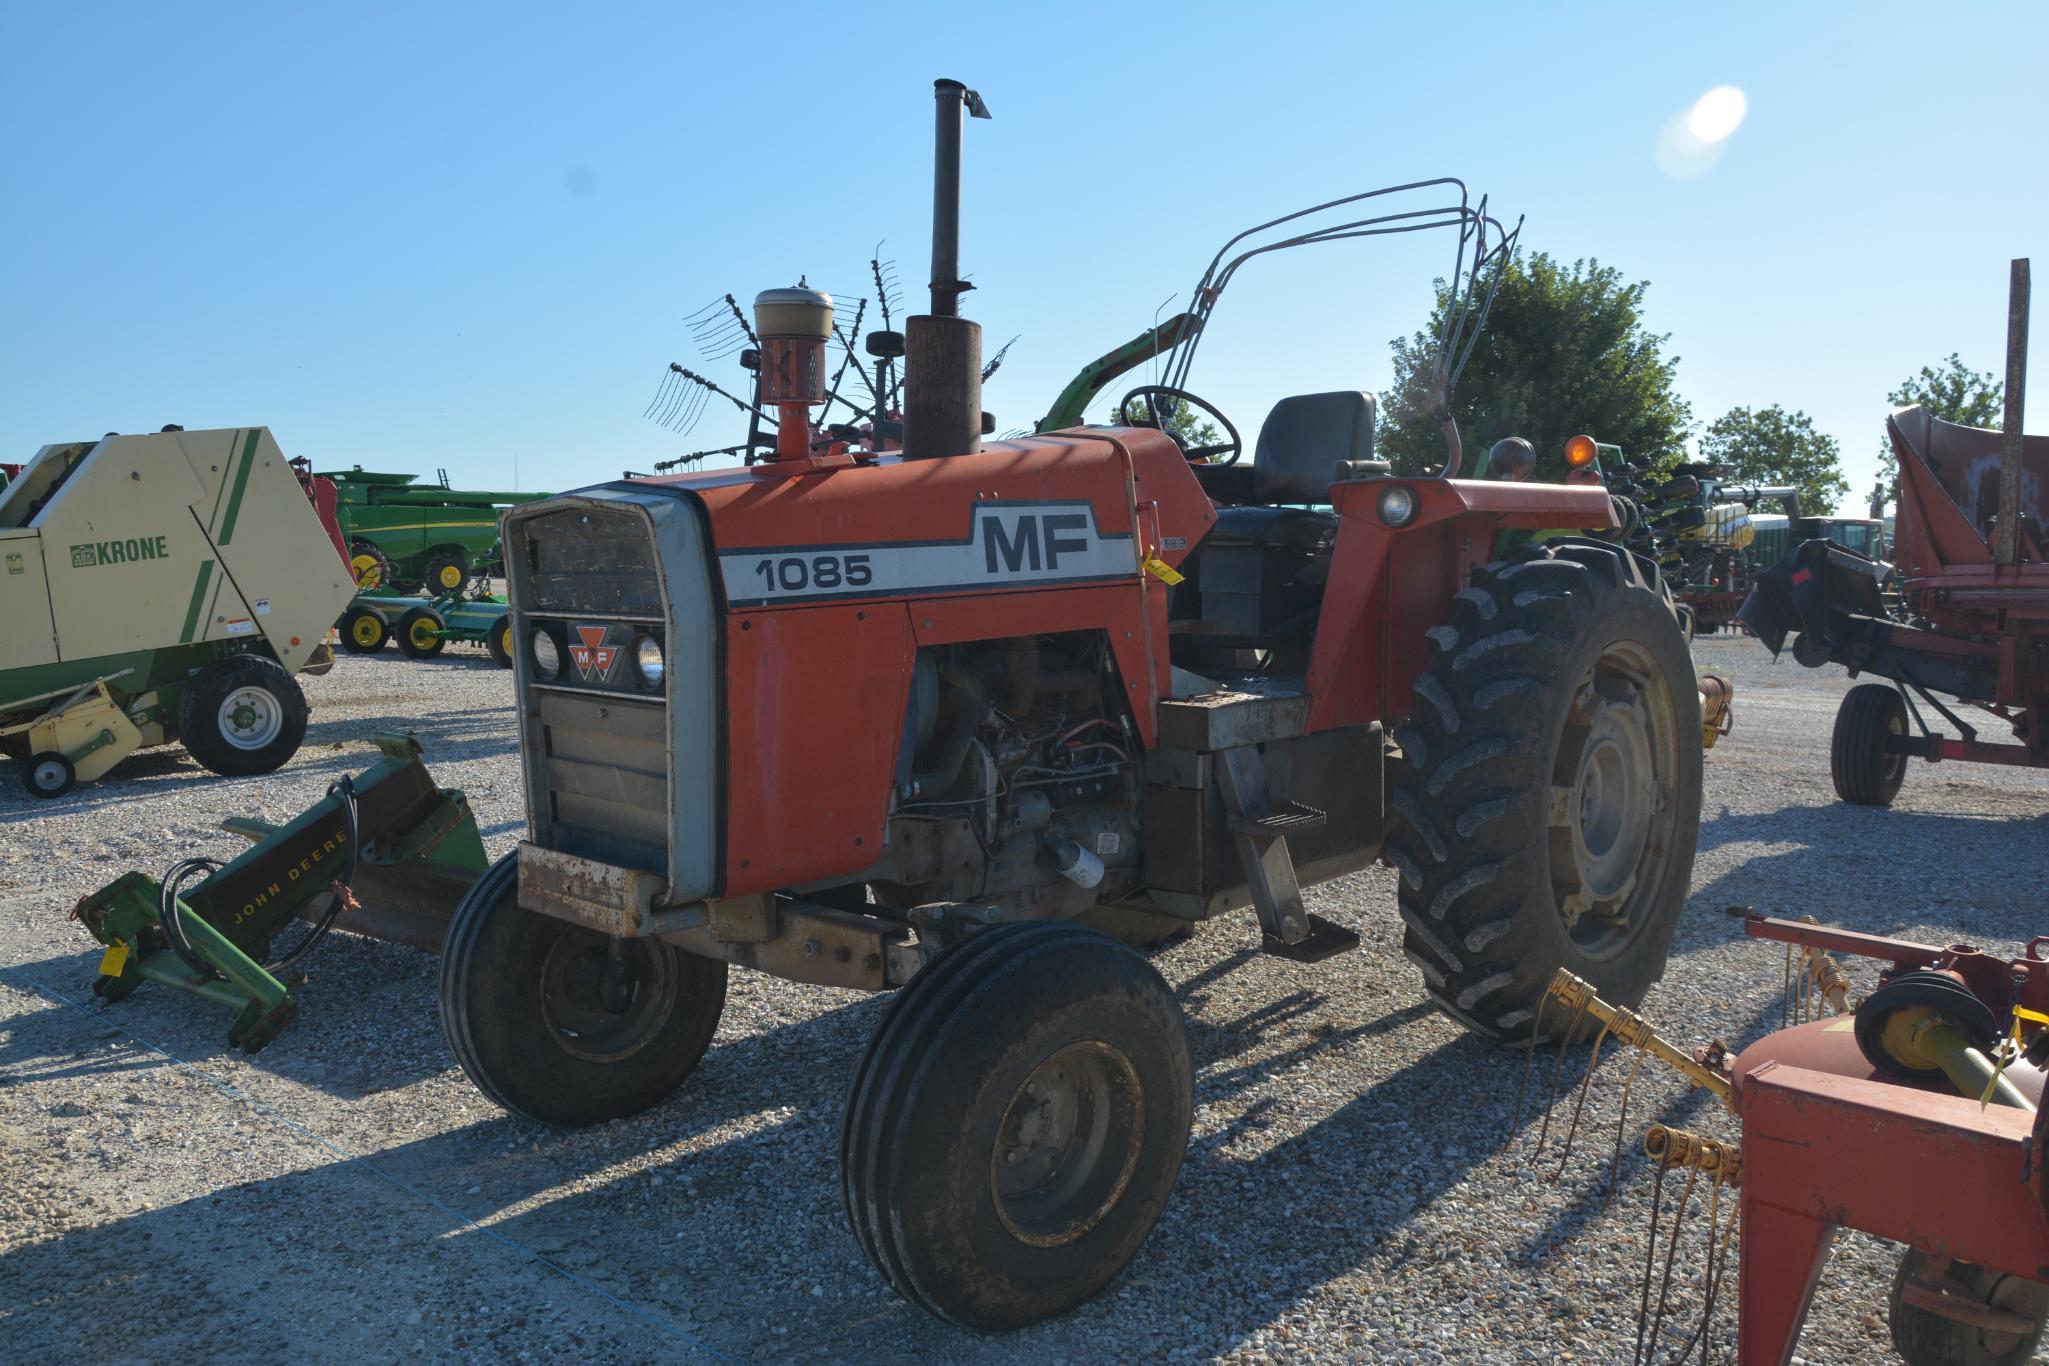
<point>1307,443</point>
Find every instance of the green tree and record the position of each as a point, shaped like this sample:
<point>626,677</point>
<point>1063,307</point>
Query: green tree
<point>1773,446</point>
<point>1564,351</point>
<point>1951,391</point>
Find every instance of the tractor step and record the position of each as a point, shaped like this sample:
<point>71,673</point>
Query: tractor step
<point>1326,939</point>
<point>1287,818</point>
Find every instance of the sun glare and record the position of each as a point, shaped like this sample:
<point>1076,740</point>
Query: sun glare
<point>1717,114</point>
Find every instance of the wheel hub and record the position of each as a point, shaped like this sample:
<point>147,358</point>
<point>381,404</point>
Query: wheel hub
<point>251,717</point>
<point>596,1011</point>
<point>1068,1144</point>
<point>1607,799</point>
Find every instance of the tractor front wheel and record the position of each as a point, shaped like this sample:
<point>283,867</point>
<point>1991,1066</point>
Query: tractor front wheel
<point>1864,773</point>
<point>242,715</point>
<point>419,633</point>
<point>564,1025</point>
<point>363,632</point>
<point>1548,797</point>
<point>1016,1126</point>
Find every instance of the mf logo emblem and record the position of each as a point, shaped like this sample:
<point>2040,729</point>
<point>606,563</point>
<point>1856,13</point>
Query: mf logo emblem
<point>594,659</point>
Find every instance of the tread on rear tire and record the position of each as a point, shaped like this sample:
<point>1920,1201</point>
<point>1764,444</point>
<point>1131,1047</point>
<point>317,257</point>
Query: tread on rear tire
<point>1560,687</point>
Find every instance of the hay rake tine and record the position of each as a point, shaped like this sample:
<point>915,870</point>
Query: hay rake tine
<point>1671,1251</point>
<point>1529,1066</point>
<point>1579,1016</point>
<point>1586,1084</point>
<point>1622,1126</point>
<point>1650,1259</point>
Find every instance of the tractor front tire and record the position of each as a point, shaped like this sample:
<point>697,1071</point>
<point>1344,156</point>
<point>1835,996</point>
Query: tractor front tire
<point>242,715</point>
<point>419,633</point>
<point>1548,795</point>
<point>363,632</point>
<point>498,641</point>
<point>447,573</point>
<point>1016,1126</point>
<point>1864,773</point>
<point>528,1013</point>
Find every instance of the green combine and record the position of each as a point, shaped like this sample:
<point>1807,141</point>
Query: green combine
<point>408,536</point>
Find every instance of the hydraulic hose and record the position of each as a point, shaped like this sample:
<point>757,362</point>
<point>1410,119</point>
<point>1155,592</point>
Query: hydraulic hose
<point>193,871</point>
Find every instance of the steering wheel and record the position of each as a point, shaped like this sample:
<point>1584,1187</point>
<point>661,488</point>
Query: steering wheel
<point>1158,415</point>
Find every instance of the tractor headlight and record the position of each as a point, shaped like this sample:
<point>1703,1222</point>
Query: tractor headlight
<point>547,657</point>
<point>647,657</point>
<point>1397,505</point>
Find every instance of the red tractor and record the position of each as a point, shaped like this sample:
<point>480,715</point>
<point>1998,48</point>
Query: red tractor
<point>936,719</point>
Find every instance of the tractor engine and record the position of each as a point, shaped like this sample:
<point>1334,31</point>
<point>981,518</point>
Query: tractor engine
<point>1017,782</point>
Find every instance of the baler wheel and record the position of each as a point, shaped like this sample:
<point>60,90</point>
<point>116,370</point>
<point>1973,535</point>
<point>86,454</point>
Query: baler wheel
<point>528,1012</point>
<point>1923,1337</point>
<point>1864,773</point>
<point>1548,798</point>
<point>419,633</point>
<point>48,775</point>
<point>363,632</point>
<point>242,715</point>
<point>1017,1123</point>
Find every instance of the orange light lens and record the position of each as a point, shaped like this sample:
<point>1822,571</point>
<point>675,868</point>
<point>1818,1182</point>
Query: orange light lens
<point>1580,452</point>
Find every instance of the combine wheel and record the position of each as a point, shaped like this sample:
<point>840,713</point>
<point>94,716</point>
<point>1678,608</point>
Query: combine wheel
<point>419,633</point>
<point>498,640</point>
<point>446,573</point>
<point>242,715</point>
<point>48,775</point>
<point>1863,772</point>
<point>1923,1337</point>
<point>363,632</point>
<point>1549,795</point>
<point>369,566</point>
<point>551,1026</point>
<point>1016,1126</point>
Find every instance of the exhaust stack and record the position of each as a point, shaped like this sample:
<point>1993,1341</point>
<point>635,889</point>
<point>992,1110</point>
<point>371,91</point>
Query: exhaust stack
<point>942,350</point>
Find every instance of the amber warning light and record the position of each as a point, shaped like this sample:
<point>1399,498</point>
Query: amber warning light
<point>1580,452</point>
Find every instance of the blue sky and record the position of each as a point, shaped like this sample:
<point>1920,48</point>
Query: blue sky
<point>466,236</point>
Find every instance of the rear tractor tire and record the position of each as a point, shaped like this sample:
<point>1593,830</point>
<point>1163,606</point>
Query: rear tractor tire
<point>242,715</point>
<point>1548,797</point>
<point>1016,1126</point>
<point>419,633</point>
<point>1864,774</point>
<point>363,632</point>
<point>529,1012</point>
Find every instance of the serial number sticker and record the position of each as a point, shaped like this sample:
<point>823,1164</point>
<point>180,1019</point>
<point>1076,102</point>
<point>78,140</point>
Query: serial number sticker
<point>1108,842</point>
<point>241,626</point>
<point>1173,543</point>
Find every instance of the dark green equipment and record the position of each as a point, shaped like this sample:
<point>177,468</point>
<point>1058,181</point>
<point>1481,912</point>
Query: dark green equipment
<point>403,534</point>
<point>385,853</point>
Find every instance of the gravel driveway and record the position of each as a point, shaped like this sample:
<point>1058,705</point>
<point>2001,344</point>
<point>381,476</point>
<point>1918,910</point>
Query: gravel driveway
<point>346,1193</point>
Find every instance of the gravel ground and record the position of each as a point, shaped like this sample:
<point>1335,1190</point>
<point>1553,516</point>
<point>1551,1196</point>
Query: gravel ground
<point>346,1192</point>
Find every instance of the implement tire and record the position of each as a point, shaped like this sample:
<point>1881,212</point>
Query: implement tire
<point>1864,774</point>
<point>363,632</point>
<point>419,633</point>
<point>1548,797</point>
<point>1017,1124</point>
<point>523,1010</point>
<point>242,715</point>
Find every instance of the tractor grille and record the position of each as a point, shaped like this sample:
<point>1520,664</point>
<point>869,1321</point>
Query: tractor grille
<point>621,767</point>
<point>607,792</point>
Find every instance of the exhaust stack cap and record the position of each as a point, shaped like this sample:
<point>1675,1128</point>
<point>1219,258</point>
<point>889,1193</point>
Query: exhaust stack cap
<point>793,312</point>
